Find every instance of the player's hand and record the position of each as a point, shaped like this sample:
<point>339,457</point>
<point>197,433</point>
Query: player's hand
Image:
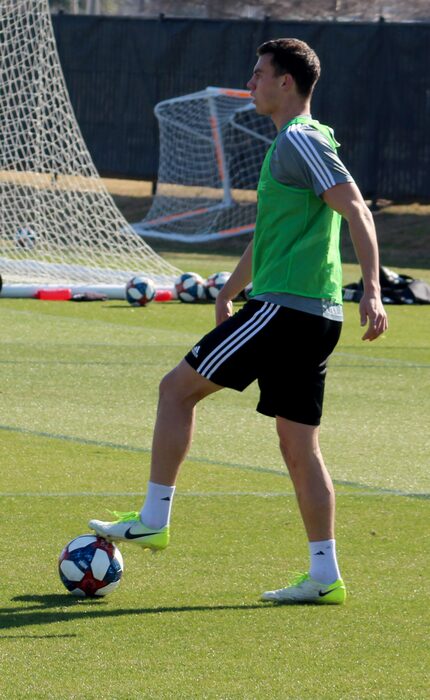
<point>373,313</point>
<point>223,309</point>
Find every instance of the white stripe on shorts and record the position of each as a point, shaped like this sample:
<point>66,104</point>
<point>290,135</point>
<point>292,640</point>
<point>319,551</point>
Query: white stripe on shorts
<point>240,336</point>
<point>262,310</point>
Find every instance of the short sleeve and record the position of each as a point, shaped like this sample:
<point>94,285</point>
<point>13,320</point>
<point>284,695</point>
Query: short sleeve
<point>304,158</point>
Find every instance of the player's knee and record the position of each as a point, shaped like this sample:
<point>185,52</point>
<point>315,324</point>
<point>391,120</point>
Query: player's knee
<point>177,387</point>
<point>297,446</point>
<point>290,455</point>
<point>169,387</point>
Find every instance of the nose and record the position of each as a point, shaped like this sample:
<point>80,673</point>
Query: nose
<point>250,84</point>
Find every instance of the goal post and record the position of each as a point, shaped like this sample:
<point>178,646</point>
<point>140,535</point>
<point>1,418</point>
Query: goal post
<point>58,222</point>
<point>212,145</point>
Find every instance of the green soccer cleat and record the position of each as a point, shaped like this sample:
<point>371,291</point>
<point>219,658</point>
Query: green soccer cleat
<point>304,589</point>
<point>129,528</point>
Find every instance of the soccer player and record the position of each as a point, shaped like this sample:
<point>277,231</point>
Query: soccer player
<point>284,335</point>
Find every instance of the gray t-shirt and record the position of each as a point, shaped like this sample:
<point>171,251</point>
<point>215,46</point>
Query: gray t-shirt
<point>303,157</point>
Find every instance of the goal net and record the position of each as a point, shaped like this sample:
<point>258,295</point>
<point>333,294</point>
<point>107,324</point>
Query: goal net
<point>212,145</point>
<point>58,223</point>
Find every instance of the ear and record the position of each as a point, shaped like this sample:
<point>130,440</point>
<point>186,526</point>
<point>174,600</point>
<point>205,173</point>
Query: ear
<point>287,81</point>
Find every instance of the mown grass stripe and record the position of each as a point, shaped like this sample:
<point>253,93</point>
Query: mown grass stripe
<point>203,460</point>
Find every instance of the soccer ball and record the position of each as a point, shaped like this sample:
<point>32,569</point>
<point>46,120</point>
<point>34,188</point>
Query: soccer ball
<point>90,566</point>
<point>139,291</point>
<point>216,282</point>
<point>190,287</point>
<point>25,238</point>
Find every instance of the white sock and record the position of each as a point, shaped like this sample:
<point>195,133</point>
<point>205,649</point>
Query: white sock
<point>158,505</point>
<point>324,566</point>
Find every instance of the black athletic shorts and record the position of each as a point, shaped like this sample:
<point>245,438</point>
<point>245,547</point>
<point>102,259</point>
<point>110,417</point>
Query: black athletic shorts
<point>284,349</point>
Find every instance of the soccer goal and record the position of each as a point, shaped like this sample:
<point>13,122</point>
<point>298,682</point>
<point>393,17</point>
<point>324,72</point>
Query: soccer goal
<point>212,145</point>
<point>58,223</point>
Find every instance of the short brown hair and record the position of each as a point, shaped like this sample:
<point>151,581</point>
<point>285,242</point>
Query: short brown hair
<point>296,58</point>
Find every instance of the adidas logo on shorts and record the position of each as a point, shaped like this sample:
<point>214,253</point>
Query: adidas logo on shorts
<point>196,350</point>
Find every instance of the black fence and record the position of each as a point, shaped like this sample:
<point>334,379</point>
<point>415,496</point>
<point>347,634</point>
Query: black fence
<point>374,89</point>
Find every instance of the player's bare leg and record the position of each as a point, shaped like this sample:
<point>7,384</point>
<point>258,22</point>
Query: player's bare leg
<point>180,391</point>
<point>315,495</point>
<point>300,449</point>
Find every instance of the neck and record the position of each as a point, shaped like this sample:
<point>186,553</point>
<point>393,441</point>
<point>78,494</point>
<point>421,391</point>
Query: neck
<point>290,112</point>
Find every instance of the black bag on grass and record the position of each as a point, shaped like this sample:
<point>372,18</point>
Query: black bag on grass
<point>395,289</point>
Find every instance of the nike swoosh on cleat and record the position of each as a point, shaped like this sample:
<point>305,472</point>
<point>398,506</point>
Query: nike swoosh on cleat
<point>130,536</point>
<point>323,593</point>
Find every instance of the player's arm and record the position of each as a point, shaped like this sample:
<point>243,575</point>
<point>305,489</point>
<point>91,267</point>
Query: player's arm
<point>347,200</point>
<point>240,277</point>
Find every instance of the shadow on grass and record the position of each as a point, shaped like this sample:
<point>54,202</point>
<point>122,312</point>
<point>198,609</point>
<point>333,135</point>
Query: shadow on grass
<point>38,636</point>
<point>47,609</point>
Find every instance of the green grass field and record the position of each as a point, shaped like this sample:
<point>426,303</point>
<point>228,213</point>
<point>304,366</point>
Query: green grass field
<point>79,390</point>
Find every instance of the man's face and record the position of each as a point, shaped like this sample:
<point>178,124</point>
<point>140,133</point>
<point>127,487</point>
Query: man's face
<point>265,87</point>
